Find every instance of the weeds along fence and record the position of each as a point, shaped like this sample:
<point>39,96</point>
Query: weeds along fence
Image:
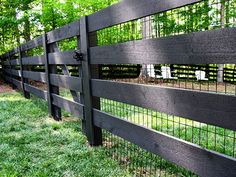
<point>165,129</point>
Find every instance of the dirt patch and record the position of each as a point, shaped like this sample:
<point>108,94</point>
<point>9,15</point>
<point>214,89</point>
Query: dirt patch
<point>39,85</point>
<point>70,119</point>
<point>4,88</point>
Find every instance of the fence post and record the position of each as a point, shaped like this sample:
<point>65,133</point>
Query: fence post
<point>11,75</point>
<point>2,70</point>
<point>54,111</point>
<point>94,134</point>
<point>22,68</point>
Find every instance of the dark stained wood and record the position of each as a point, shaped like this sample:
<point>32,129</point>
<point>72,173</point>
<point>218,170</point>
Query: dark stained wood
<point>13,52</point>
<point>36,76</point>
<point>199,160</point>
<point>208,47</point>
<point>210,108</point>
<point>25,93</point>
<point>13,72</point>
<point>66,72</point>
<point>95,69</point>
<point>32,44</point>
<point>68,105</point>
<point>13,81</point>
<point>65,32</point>
<point>7,78</point>
<point>128,10</point>
<point>69,82</point>
<point>63,58</point>
<point>17,83</point>
<point>6,63</point>
<point>35,60</point>
<point>10,53</point>
<point>54,110</point>
<point>93,133</point>
<point>47,72</point>
<point>36,91</point>
<point>23,54</point>
<point>15,62</point>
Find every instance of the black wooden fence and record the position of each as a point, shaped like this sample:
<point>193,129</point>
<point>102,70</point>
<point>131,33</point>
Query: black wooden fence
<point>216,46</point>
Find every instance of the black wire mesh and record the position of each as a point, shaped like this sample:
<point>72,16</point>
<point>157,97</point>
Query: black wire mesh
<point>206,15</point>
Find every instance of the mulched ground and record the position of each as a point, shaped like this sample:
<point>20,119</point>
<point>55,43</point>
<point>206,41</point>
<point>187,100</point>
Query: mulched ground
<point>4,88</point>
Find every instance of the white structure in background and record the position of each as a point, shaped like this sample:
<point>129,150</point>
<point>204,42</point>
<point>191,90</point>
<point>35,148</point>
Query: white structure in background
<point>201,75</point>
<point>165,72</point>
<point>151,71</point>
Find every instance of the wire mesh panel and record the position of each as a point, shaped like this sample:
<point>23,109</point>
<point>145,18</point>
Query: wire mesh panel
<point>203,16</point>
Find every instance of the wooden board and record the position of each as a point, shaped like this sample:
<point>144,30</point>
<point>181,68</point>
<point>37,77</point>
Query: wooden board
<point>36,91</point>
<point>208,47</point>
<point>36,76</point>
<point>65,32</point>
<point>32,44</point>
<point>210,108</point>
<point>63,58</point>
<point>68,105</point>
<point>13,72</point>
<point>35,60</point>
<point>68,82</point>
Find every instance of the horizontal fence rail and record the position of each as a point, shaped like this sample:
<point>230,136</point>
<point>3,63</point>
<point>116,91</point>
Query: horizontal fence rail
<point>207,47</point>
<point>48,73</point>
<point>199,106</point>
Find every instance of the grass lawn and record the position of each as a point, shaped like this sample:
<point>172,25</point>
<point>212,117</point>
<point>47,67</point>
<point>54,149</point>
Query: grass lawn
<point>32,144</point>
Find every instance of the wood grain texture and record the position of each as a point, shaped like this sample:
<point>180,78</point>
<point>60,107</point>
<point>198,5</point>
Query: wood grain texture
<point>210,108</point>
<point>208,47</point>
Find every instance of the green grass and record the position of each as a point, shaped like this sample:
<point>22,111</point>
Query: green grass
<point>210,137</point>
<point>32,144</point>
<point>207,136</point>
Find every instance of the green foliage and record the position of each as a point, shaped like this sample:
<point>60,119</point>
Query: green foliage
<point>24,20</point>
<point>21,20</point>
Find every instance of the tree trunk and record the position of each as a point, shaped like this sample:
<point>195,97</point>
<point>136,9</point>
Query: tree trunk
<point>220,71</point>
<point>26,31</point>
<point>146,34</point>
